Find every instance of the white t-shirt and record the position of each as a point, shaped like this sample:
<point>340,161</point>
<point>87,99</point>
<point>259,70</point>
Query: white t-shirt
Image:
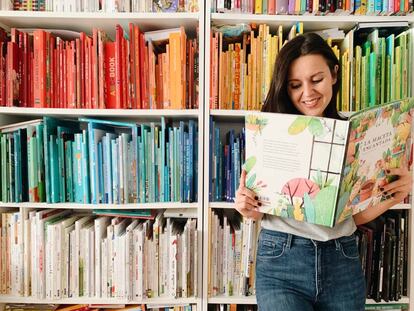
<point>307,230</point>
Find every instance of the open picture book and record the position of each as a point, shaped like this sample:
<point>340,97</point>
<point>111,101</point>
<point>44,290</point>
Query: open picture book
<point>323,170</point>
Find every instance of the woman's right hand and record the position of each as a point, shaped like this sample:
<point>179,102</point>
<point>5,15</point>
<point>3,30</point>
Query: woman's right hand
<point>247,201</point>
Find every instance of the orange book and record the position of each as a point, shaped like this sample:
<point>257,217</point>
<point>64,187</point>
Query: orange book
<point>71,76</point>
<point>78,73</point>
<point>175,71</point>
<point>50,46</point>
<point>132,72</point>
<point>39,68</point>
<point>74,308</point>
<point>110,76</point>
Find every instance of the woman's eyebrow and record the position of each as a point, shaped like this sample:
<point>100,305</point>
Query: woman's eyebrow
<point>315,74</point>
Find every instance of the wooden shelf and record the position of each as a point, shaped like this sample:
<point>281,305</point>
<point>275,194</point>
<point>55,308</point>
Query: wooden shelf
<point>85,21</point>
<point>108,113</point>
<point>313,23</point>
<point>95,300</point>
<point>79,206</point>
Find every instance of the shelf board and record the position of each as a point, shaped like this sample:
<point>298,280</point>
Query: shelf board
<point>85,21</point>
<point>95,300</point>
<point>226,205</point>
<point>79,206</point>
<point>228,113</point>
<point>252,300</point>
<point>119,113</point>
<point>312,22</point>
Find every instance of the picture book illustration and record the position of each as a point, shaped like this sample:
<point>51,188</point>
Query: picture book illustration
<point>323,170</point>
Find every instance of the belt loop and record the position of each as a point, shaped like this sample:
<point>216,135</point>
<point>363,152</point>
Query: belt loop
<point>289,241</point>
<point>337,244</point>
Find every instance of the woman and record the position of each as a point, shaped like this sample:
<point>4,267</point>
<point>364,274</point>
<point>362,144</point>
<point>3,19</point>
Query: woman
<point>301,266</point>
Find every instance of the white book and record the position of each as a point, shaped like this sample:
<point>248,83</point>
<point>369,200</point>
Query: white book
<point>66,260</point>
<point>27,256</point>
<point>92,262</point>
<point>101,224</point>
<point>195,282</point>
<point>72,271</point>
<point>139,293</point>
<point>79,224</point>
<point>129,259</point>
<point>104,271</point>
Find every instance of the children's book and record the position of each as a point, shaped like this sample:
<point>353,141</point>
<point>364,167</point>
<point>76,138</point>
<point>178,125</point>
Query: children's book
<point>323,170</point>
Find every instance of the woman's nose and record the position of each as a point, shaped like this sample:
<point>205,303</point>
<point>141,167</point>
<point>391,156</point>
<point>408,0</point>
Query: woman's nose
<point>307,89</point>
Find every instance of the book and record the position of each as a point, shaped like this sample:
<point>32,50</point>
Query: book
<point>322,170</point>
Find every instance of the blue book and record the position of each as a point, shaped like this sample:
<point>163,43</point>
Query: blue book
<point>85,167</point>
<point>69,171</point>
<point>54,170</point>
<point>115,170</point>
<point>101,188</point>
<point>77,168</point>
<point>192,146</point>
<point>163,197</point>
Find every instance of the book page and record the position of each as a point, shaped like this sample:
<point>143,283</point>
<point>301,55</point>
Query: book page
<point>294,164</point>
<point>378,141</point>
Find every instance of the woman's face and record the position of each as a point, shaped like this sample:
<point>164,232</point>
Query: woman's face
<point>310,84</point>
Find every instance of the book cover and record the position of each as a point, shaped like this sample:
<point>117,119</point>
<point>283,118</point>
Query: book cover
<point>322,170</point>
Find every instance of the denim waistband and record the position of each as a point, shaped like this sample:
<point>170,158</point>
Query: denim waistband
<point>288,239</point>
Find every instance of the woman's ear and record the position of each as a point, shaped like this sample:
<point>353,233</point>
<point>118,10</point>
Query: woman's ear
<point>335,74</point>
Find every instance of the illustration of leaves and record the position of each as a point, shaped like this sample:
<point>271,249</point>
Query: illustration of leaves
<point>323,203</point>
<point>299,125</point>
<point>315,127</point>
<point>250,181</point>
<point>250,162</point>
<point>309,208</point>
<point>343,199</point>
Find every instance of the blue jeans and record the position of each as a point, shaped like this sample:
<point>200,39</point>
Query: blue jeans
<point>299,274</point>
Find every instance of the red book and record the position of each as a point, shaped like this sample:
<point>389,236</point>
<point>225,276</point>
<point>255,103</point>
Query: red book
<point>101,69</point>
<point>110,76</point>
<point>87,82</point>
<point>143,50</point>
<point>3,47</point>
<point>78,76</point>
<point>131,68</point>
<point>71,77</point>
<point>118,66</point>
<point>82,71</point>
<point>125,72</point>
<point>95,78</point>
<point>271,9</point>
<point>137,68</point>
<point>50,65</point>
<point>39,68</point>
<point>12,75</point>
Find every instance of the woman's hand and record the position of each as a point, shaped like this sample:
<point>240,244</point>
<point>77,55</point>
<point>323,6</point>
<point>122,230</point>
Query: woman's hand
<point>246,200</point>
<point>399,189</point>
<point>396,191</point>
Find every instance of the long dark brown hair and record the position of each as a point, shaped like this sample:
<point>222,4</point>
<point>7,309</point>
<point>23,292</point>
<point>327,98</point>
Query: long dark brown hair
<point>277,99</point>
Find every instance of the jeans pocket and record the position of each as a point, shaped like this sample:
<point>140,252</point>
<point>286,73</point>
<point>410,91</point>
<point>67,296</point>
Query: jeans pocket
<point>349,248</point>
<point>270,249</point>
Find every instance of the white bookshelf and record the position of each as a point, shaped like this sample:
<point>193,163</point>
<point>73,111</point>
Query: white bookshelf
<point>150,21</point>
<point>107,21</point>
<point>232,119</point>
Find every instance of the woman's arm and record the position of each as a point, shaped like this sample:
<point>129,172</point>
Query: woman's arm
<point>397,191</point>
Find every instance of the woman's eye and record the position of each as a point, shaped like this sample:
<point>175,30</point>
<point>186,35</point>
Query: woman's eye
<point>318,80</point>
<point>295,86</point>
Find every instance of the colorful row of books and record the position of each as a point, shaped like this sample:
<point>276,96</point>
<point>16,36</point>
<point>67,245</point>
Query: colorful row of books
<point>383,247</point>
<point>98,161</point>
<point>319,7</point>
<point>93,307</point>
<point>231,307</point>
<point>232,254</point>
<point>63,69</point>
<point>227,154</point>
<point>53,254</point>
<point>110,6</point>
<point>376,65</point>
<point>382,67</point>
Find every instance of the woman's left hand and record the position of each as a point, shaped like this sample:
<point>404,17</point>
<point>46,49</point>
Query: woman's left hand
<point>400,188</point>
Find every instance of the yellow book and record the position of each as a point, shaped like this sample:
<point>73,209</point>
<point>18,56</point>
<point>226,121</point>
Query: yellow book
<point>258,7</point>
<point>363,82</point>
<point>358,54</point>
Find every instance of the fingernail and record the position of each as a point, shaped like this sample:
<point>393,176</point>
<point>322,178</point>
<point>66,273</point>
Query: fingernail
<point>382,188</point>
<point>385,192</point>
<point>260,203</point>
<point>388,171</point>
<point>256,197</point>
